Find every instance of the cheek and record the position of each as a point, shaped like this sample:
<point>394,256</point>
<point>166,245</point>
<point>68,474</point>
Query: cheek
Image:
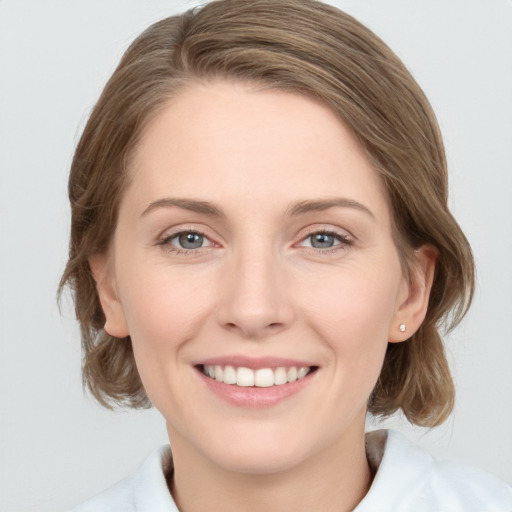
<point>162,304</point>
<point>352,313</point>
<point>163,312</point>
<point>355,304</point>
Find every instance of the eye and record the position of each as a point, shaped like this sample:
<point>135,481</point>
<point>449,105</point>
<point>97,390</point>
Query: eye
<point>187,240</point>
<point>325,240</point>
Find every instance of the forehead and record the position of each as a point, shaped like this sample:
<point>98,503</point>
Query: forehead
<point>226,140</point>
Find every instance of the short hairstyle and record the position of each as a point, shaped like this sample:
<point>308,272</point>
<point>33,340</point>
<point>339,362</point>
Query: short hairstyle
<point>304,47</point>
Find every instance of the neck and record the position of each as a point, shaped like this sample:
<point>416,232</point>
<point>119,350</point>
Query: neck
<point>336,479</point>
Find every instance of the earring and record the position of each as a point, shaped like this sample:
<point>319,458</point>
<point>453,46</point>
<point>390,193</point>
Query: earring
<point>402,327</point>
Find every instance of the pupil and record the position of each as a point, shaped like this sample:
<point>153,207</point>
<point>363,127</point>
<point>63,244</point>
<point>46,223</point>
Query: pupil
<point>191,240</point>
<point>322,240</point>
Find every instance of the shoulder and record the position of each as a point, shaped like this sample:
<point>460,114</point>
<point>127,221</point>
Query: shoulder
<point>409,479</point>
<point>468,484</point>
<point>119,497</point>
<point>146,490</point>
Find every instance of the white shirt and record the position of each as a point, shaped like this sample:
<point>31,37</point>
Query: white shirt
<point>408,479</point>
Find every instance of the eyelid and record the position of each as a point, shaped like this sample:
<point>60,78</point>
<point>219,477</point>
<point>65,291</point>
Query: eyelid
<point>200,229</point>
<point>325,228</point>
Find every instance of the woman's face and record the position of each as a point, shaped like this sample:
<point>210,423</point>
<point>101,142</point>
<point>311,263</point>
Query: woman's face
<point>254,234</point>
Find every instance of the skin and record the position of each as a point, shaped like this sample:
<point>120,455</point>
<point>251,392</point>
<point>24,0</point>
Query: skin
<point>256,287</point>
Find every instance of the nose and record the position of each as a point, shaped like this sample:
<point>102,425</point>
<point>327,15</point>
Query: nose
<point>255,301</point>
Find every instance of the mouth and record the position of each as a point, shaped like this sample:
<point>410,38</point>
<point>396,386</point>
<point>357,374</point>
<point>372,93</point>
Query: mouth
<point>259,378</point>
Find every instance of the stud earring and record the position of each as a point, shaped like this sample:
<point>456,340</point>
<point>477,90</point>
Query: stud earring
<point>402,327</point>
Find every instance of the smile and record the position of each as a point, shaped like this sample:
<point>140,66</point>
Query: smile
<point>257,382</point>
<point>261,378</point>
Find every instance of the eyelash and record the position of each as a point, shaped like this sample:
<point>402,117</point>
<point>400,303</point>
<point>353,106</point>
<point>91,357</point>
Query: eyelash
<point>165,242</point>
<point>344,241</point>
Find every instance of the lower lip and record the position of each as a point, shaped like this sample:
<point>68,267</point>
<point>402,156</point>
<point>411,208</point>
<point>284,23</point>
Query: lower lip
<point>254,397</point>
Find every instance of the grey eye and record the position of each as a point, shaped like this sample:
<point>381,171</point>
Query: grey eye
<point>190,240</point>
<point>322,240</point>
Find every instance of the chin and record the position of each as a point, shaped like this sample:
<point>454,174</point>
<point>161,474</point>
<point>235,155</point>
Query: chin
<point>261,460</point>
<point>262,451</point>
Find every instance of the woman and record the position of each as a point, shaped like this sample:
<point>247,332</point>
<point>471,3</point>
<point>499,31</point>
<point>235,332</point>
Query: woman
<point>261,248</point>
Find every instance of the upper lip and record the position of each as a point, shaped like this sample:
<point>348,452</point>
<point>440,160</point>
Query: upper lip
<point>253,363</point>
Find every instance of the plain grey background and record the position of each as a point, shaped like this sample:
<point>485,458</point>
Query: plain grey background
<point>57,447</point>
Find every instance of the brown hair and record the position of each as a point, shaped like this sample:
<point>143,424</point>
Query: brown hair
<point>306,47</point>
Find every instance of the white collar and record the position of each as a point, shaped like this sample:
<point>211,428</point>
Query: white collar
<point>407,479</point>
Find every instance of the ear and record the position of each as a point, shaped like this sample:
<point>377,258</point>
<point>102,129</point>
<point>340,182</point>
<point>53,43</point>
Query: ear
<point>414,296</point>
<point>115,323</point>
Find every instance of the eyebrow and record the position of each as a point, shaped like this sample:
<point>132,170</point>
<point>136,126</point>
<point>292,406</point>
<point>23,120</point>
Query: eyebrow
<point>297,208</point>
<point>315,205</point>
<point>187,204</point>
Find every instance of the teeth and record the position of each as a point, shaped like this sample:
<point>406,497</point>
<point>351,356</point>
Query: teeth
<point>302,372</point>
<point>244,377</point>
<point>280,376</point>
<point>262,378</point>
<point>229,375</point>
<point>292,374</point>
